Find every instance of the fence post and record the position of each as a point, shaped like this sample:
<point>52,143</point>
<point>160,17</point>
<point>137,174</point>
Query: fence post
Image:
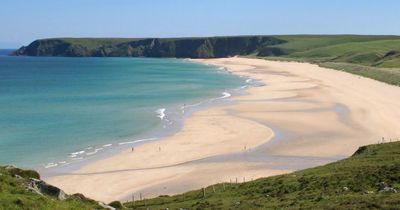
<point>204,192</point>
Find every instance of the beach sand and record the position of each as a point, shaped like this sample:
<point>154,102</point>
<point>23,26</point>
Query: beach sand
<point>303,116</point>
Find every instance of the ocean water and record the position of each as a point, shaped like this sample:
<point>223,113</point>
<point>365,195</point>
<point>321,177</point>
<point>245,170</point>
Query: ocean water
<point>55,110</point>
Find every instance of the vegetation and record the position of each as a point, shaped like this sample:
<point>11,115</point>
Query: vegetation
<point>151,47</point>
<point>370,179</point>
<point>388,75</point>
<point>16,193</point>
<point>379,51</point>
<point>377,57</point>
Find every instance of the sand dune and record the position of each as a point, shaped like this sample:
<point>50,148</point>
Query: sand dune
<point>303,116</point>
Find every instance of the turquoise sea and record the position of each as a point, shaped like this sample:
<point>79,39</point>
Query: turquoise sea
<point>55,110</point>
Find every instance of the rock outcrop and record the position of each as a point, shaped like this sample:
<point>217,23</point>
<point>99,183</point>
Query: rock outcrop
<point>41,187</point>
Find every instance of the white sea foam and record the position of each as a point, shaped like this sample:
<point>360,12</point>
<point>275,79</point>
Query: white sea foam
<point>107,145</point>
<point>78,153</point>
<point>248,80</point>
<point>50,165</point>
<point>91,153</point>
<point>161,113</point>
<point>192,105</point>
<point>149,139</point>
<point>74,154</point>
<point>136,141</point>
<point>225,95</point>
<point>94,152</point>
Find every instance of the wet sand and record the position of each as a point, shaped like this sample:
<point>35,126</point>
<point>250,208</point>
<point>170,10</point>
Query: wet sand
<point>303,116</point>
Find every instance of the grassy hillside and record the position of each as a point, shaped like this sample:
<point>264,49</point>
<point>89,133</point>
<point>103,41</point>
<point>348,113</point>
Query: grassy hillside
<point>384,52</point>
<point>387,75</point>
<point>370,179</point>
<point>16,193</point>
<point>301,43</point>
<point>375,51</point>
<point>377,57</point>
<point>202,47</point>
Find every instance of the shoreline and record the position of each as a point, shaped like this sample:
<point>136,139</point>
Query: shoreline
<point>172,119</point>
<point>154,135</point>
<point>272,130</point>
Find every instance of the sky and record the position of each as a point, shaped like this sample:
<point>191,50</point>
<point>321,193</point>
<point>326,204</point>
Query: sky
<point>23,21</point>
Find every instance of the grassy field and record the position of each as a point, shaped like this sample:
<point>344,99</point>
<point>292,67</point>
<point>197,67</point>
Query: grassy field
<point>376,57</point>
<point>367,180</point>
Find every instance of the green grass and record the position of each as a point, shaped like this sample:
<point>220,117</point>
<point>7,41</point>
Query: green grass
<point>92,43</point>
<point>376,57</point>
<point>388,75</point>
<point>14,195</point>
<point>352,183</point>
<point>371,53</point>
<point>302,43</point>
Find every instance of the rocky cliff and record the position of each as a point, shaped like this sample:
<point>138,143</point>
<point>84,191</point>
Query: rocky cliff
<point>211,47</point>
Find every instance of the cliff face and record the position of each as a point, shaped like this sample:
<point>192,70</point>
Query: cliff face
<point>212,47</point>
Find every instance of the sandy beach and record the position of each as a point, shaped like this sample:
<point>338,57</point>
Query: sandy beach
<point>303,116</point>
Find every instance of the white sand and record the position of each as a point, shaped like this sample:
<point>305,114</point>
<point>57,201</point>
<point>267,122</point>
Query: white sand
<point>321,112</point>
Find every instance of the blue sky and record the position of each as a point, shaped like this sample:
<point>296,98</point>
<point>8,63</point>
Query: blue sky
<point>23,21</point>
